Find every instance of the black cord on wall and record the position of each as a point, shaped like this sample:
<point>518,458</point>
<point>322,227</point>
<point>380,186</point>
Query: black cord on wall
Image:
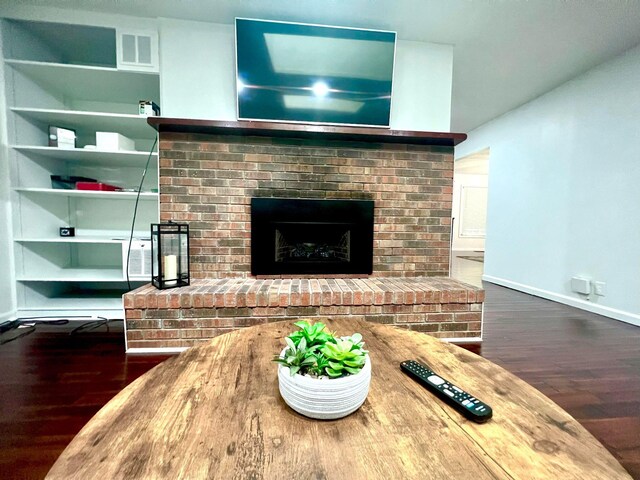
<point>23,326</point>
<point>135,208</point>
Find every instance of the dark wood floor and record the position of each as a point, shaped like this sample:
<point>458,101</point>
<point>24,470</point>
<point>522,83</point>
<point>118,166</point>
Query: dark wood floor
<point>52,383</point>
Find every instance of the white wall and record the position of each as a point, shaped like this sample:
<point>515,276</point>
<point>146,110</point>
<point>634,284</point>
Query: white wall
<point>564,196</point>
<point>7,271</point>
<point>422,83</point>
<point>197,70</point>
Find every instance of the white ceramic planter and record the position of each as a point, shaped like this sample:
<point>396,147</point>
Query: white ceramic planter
<point>325,398</point>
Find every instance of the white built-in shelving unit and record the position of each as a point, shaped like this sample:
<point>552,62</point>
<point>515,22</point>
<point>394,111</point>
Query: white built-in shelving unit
<point>77,77</point>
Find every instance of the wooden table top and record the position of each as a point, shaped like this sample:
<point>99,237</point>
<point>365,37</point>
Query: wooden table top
<point>215,411</point>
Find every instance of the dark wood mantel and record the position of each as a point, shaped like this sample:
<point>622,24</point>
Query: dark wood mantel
<point>296,130</point>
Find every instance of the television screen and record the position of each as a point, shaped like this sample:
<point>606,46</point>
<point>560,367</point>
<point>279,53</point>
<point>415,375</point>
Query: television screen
<point>314,74</point>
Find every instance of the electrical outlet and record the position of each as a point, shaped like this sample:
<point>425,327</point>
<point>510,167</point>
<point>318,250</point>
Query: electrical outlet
<point>581,285</point>
<point>600,288</point>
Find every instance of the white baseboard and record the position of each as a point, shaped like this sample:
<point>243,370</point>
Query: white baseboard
<point>620,315</point>
<point>155,351</point>
<point>463,340</point>
<point>10,315</point>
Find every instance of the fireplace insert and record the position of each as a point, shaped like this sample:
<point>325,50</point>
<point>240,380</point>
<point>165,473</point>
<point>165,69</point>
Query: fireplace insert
<point>295,236</point>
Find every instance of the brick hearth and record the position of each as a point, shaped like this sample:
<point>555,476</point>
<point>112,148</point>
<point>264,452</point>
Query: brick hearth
<point>209,171</point>
<point>181,317</point>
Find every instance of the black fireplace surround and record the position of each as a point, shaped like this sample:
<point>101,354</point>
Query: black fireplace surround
<point>296,236</point>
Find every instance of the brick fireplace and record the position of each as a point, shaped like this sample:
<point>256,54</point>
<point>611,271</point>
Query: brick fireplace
<point>210,172</point>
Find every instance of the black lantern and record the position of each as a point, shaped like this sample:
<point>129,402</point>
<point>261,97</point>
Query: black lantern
<point>170,255</point>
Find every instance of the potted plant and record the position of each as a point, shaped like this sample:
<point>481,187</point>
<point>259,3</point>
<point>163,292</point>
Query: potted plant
<point>321,375</point>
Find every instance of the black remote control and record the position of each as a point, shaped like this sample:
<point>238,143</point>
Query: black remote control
<point>467,405</point>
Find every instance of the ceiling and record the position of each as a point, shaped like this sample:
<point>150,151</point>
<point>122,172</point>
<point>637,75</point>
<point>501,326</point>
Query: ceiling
<point>506,52</point>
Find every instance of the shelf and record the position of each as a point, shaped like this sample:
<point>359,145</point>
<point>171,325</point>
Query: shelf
<point>90,193</point>
<point>78,302</point>
<point>67,75</point>
<point>97,84</point>
<point>298,130</point>
<point>80,239</point>
<point>94,312</point>
<point>98,157</point>
<point>77,275</point>
<point>65,43</point>
<point>132,126</point>
<point>139,279</point>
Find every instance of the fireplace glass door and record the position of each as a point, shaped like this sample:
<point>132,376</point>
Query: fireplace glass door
<point>293,236</point>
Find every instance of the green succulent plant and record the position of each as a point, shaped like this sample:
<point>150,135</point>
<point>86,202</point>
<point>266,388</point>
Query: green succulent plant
<point>297,357</point>
<point>314,351</point>
<point>314,334</point>
<point>344,356</point>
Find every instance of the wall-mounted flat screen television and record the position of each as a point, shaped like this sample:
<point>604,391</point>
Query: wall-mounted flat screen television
<point>313,74</point>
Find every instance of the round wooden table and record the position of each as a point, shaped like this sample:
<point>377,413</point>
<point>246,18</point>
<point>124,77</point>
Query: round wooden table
<point>215,412</point>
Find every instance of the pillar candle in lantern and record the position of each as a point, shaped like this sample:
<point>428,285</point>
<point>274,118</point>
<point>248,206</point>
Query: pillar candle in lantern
<point>170,269</point>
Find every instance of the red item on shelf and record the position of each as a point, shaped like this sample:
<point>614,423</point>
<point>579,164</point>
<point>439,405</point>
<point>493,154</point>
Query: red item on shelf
<point>103,187</point>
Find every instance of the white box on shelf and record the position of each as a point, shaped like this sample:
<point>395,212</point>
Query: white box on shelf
<point>62,137</point>
<point>148,108</point>
<point>139,259</point>
<point>113,142</point>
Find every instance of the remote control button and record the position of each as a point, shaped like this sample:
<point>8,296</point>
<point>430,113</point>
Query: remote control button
<point>436,380</point>
<point>456,389</point>
<point>448,392</point>
<point>464,402</point>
